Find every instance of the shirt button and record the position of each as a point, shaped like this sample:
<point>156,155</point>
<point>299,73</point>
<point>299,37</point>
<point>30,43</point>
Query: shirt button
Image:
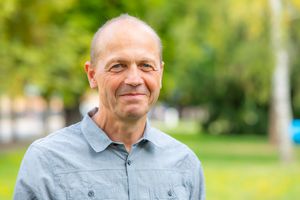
<point>170,193</point>
<point>91,193</point>
<point>128,162</point>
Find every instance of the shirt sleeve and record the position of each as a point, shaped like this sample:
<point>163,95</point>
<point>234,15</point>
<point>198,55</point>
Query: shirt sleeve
<point>34,179</point>
<point>198,189</point>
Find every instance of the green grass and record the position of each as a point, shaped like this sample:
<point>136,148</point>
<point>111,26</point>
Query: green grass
<point>9,166</point>
<point>244,167</point>
<point>236,167</point>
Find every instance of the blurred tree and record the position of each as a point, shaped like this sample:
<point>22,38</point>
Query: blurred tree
<point>281,107</point>
<point>293,14</point>
<point>40,49</point>
<point>221,56</point>
<point>217,54</point>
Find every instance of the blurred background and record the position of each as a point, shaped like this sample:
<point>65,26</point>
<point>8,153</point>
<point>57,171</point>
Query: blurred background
<point>231,87</point>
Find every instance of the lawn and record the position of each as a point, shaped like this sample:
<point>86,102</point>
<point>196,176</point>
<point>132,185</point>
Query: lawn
<point>236,167</point>
<point>244,167</point>
<point>10,159</point>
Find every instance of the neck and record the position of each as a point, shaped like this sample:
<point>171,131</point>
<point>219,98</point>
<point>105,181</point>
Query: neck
<point>127,132</point>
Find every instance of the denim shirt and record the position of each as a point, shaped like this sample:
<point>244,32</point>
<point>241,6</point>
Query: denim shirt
<point>81,162</point>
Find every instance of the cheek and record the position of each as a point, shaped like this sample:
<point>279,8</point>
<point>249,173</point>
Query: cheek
<point>153,84</point>
<point>108,86</point>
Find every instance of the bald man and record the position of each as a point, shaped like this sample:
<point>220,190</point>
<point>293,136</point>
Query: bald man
<point>114,153</point>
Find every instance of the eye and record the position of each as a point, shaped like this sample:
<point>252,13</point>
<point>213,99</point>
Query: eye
<point>117,67</point>
<point>146,67</point>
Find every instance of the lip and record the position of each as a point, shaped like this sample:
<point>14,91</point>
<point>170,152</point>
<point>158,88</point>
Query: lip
<point>132,97</point>
<point>132,94</point>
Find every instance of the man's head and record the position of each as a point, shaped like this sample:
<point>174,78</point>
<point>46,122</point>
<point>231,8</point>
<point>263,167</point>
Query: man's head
<point>126,67</point>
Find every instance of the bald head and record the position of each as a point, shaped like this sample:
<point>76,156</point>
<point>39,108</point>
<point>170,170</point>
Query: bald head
<point>123,26</point>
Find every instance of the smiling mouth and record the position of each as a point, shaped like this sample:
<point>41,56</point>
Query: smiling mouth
<point>132,97</point>
<point>132,94</point>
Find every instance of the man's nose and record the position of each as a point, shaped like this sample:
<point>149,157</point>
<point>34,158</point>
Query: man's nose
<point>133,76</point>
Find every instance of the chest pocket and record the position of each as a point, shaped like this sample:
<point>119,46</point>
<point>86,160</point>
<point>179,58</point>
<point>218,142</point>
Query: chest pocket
<point>169,193</point>
<point>164,184</point>
<point>95,185</point>
<point>97,191</point>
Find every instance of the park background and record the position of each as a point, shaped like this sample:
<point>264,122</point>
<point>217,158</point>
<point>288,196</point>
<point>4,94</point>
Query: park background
<point>231,84</point>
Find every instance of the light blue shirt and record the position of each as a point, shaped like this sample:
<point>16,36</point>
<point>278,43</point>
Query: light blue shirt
<point>81,162</point>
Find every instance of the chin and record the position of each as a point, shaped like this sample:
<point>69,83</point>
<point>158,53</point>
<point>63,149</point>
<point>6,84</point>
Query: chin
<point>134,114</point>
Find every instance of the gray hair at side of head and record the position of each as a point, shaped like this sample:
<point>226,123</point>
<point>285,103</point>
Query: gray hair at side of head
<point>95,50</point>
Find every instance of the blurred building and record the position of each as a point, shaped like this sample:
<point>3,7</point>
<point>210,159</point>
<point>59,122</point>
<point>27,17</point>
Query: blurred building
<point>29,117</point>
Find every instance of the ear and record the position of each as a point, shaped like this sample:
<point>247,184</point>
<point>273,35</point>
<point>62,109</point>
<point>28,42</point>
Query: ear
<point>90,72</point>
<point>162,64</point>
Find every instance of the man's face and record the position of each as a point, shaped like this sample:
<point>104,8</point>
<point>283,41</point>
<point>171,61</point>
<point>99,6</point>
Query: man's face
<point>128,72</point>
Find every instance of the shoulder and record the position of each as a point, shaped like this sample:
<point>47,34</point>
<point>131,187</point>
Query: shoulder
<point>59,140</point>
<point>39,164</point>
<point>175,147</point>
<point>165,140</point>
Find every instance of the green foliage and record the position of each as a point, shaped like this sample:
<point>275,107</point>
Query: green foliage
<point>40,50</point>
<point>223,62</point>
<point>295,67</point>
<point>217,54</point>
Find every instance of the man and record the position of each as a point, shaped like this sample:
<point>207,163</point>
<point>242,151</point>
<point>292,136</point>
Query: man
<point>114,153</point>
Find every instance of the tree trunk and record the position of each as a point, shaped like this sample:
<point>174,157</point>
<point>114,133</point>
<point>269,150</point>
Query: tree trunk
<point>281,111</point>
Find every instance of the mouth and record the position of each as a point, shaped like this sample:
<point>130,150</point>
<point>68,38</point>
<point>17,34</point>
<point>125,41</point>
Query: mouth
<point>132,94</point>
<point>133,97</point>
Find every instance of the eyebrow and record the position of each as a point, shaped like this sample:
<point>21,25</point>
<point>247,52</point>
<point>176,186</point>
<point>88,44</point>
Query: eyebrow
<point>112,60</point>
<point>124,60</point>
<point>147,59</point>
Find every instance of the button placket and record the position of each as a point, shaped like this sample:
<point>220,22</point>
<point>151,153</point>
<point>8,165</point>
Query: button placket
<point>130,175</point>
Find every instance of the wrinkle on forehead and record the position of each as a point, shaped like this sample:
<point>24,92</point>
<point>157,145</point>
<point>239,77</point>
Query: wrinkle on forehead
<point>127,36</point>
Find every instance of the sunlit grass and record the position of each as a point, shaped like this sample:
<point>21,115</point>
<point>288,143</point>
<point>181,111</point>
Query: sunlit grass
<point>246,181</point>
<point>9,165</point>
<point>244,167</point>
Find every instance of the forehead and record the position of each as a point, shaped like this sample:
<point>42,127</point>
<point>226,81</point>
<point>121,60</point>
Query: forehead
<point>125,35</point>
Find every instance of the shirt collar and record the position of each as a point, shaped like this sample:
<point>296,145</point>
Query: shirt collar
<point>152,135</point>
<point>95,136</point>
<point>99,141</point>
